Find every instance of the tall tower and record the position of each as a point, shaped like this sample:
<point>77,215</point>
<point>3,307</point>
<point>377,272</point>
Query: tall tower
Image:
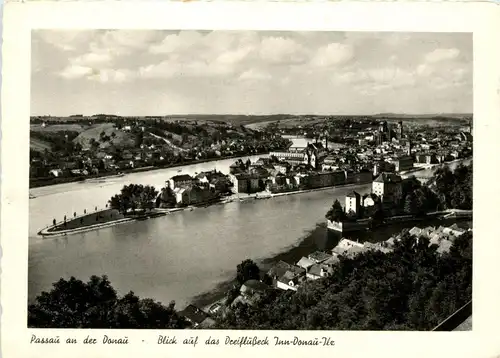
<point>409,148</point>
<point>399,133</point>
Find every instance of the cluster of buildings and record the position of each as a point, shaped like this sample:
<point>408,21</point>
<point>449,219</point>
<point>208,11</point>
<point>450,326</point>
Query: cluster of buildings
<point>204,188</point>
<point>384,147</point>
<point>385,193</point>
<point>320,264</point>
<point>132,143</point>
<point>293,170</point>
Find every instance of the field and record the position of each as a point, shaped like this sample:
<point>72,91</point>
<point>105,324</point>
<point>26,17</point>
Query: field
<point>39,145</point>
<point>121,139</point>
<point>71,127</point>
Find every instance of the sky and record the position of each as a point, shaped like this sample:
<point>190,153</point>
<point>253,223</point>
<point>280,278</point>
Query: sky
<point>144,72</point>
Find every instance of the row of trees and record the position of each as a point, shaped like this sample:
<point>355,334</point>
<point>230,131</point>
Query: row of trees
<point>95,304</point>
<point>454,189</point>
<point>133,197</point>
<point>411,288</point>
<point>446,190</point>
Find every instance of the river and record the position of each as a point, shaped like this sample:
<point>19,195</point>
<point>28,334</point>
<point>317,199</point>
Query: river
<point>180,256</point>
<point>175,257</point>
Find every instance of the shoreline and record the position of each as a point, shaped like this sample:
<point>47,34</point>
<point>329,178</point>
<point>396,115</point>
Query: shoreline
<point>365,224</point>
<point>125,172</point>
<point>204,300</point>
<point>160,212</point>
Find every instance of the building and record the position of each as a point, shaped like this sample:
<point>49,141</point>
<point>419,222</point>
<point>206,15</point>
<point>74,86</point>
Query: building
<point>387,186</point>
<point>352,202</point>
<point>319,256</point>
<point>290,280</point>
<point>403,163</point>
<point>370,200</point>
<point>56,172</point>
<point>180,181</point>
<point>362,177</point>
<point>324,179</point>
<point>318,271</point>
<point>399,130</point>
<point>382,166</point>
<point>283,167</point>
<point>286,276</point>
<point>344,245</point>
<point>197,317</point>
<point>292,157</point>
<point>247,183</point>
<point>305,263</point>
<point>314,155</point>
<point>252,290</point>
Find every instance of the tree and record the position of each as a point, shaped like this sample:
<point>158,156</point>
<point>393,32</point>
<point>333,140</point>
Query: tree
<point>336,212</point>
<point>247,270</point>
<point>411,288</point>
<point>410,206</point>
<point>95,304</point>
<point>134,196</point>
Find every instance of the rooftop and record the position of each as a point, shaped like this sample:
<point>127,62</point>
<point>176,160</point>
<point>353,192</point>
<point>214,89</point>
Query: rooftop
<point>194,314</point>
<point>388,178</point>
<point>255,285</point>
<point>353,194</point>
<point>182,177</point>
<point>319,256</point>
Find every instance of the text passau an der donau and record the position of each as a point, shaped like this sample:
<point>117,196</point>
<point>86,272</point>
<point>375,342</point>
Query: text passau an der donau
<point>242,341</point>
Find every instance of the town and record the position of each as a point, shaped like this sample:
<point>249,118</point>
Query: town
<point>388,158</point>
<point>78,148</point>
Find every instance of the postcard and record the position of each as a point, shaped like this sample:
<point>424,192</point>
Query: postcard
<point>249,178</point>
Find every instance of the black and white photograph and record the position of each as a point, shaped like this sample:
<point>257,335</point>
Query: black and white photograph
<point>250,180</point>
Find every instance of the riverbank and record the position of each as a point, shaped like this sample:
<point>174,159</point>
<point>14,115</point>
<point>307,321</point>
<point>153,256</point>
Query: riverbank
<point>93,221</point>
<point>320,238</point>
<point>424,167</point>
<point>367,224</point>
<point>45,182</point>
<point>102,220</point>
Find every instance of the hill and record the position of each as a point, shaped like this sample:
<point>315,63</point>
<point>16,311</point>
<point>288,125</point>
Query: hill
<point>117,138</point>
<point>39,145</point>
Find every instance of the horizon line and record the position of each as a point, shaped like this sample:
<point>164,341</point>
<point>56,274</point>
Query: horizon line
<point>259,115</point>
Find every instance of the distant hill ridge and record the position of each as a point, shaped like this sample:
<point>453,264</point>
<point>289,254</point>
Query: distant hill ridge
<point>425,116</point>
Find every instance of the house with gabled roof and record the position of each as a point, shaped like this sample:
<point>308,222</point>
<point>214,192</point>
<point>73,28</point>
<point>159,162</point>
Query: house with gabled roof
<point>180,181</point>
<point>197,317</point>
<point>388,186</point>
<point>319,256</point>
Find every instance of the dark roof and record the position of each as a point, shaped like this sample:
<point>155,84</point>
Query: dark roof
<point>316,269</point>
<point>373,196</point>
<point>256,285</point>
<point>281,267</point>
<point>182,177</point>
<point>388,178</point>
<point>320,256</point>
<point>194,314</point>
<point>353,194</point>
